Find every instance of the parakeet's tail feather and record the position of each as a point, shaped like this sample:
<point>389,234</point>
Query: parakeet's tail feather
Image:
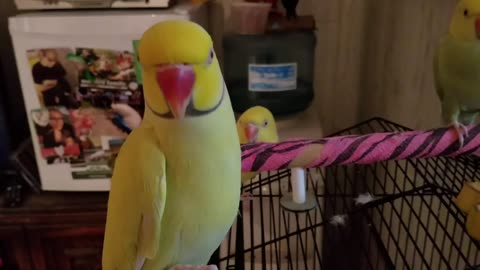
<point>247,176</point>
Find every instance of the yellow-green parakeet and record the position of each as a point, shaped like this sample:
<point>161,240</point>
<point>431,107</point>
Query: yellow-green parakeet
<point>175,189</point>
<point>256,124</point>
<point>457,67</point>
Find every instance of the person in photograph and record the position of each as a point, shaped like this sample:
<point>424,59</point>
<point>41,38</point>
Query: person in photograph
<point>49,78</point>
<point>58,132</point>
<point>88,55</point>
<point>88,70</point>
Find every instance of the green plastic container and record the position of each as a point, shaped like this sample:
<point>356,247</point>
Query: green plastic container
<point>274,71</point>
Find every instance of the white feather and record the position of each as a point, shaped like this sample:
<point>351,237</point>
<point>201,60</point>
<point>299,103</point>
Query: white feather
<point>338,220</point>
<point>364,198</point>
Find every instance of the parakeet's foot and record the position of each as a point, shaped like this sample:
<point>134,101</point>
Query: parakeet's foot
<point>461,131</point>
<point>193,267</point>
<point>246,196</point>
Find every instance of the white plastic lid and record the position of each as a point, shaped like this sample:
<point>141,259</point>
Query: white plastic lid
<point>94,23</point>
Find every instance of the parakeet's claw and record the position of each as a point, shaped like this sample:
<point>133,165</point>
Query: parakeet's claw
<point>246,196</point>
<point>461,131</point>
<point>193,267</point>
<point>465,130</point>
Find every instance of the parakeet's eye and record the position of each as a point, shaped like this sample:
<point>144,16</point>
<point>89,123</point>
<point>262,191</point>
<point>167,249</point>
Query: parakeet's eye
<point>265,123</point>
<point>465,12</point>
<point>210,57</point>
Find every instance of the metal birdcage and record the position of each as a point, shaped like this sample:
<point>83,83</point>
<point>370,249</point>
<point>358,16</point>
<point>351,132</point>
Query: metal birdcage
<point>408,221</point>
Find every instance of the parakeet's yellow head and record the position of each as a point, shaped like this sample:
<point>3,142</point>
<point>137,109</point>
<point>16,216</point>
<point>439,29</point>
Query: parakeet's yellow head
<point>181,75</point>
<point>257,124</point>
<point>465,23</point>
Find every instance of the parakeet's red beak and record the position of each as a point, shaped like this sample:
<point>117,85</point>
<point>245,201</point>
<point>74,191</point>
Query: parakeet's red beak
<point>251,131</point>
<point>477,27</point>
<point>176,83</point>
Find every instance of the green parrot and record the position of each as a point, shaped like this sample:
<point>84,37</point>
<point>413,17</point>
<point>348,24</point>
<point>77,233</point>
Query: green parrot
<point>175,188</point>
<point>457,68</point>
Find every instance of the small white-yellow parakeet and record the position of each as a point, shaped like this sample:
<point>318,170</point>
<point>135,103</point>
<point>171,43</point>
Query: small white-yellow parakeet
<point>175,188</point>
<point>256,124</point>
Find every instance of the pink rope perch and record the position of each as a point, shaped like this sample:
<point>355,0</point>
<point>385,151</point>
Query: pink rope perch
<point>358,149</point>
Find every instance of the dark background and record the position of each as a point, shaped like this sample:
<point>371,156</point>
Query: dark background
<point>12,109</point>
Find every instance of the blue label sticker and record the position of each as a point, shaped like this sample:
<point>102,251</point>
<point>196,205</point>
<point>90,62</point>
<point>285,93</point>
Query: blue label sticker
<point>272,78</point>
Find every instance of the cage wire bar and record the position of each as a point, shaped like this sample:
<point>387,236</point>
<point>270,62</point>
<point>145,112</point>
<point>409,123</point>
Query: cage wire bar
<point>411,223</point>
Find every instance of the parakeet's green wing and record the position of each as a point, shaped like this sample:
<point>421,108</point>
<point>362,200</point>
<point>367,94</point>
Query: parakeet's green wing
<point>450,109</point>
<point>136,202</point>
<point>154,196</point>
